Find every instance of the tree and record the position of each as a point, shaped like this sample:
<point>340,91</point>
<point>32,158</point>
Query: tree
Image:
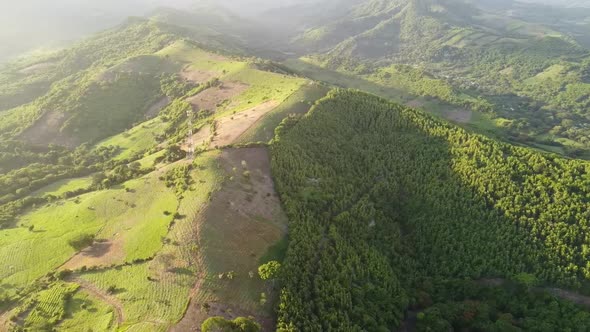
<point>173,153</point>
<point>81,241</point>
<point>269,270</point>
<point>240,324</point>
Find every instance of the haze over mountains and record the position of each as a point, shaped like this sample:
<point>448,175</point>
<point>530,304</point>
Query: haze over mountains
<point>31,25</point>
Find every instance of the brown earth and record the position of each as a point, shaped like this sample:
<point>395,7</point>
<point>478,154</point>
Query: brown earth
<point>210,98</point>
<point>197,75</point>
<point>230,128</point>
<point>243,220</point>
<point>46,130</point>
<point>104,253</point>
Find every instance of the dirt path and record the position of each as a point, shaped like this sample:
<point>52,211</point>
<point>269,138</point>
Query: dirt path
<point>571,296</point>
<point>100,294</point>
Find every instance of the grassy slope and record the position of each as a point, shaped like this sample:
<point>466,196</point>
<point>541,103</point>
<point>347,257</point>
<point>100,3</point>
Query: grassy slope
<point>31,254</point>
<point>137,139</point>
<point>155,303</point>
<point>298,103</point>
<point>60,187</point>
<point>84,312</point>
<point>133,213</point>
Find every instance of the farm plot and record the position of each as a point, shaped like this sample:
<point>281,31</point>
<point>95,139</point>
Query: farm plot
<point>240,225</point>
<point>145,210</point>
<point>154,294</point>
<point>42,239</point>
<point>214,97</point>
<point>87,313</point>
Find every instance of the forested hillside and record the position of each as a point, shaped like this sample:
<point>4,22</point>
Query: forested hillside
<point>388,206</point>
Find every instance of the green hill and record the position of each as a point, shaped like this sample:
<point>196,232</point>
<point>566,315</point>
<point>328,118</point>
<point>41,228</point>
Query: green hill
<point>392,210</point>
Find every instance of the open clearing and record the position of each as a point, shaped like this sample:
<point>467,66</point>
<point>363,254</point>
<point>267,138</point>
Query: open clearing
<point>137,139</point>
<point>239,226</point>
<point>59,188</point>
<point>210,99</point>
<point>460,116</point>
<point>101,253</point>
<point>197,75</point>
<point>47,130</point>
<point>230,128</point>
<point>298,103</point>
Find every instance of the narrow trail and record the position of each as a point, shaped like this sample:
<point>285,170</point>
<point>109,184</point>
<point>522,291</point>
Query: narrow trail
<point>100,294</point>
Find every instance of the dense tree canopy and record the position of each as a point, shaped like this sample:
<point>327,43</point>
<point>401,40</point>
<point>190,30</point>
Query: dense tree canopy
<point>381,198</point>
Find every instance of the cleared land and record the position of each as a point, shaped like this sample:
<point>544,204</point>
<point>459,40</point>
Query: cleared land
<point>229,129</point>
<point>239,228</point>
<point>213,97</point>
<point>47,130</point>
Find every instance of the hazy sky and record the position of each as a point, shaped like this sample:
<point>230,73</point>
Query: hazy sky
<point>30,24</point>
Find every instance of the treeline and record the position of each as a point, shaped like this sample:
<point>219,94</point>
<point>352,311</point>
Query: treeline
<point>381,197</point>
<point>55,163</point>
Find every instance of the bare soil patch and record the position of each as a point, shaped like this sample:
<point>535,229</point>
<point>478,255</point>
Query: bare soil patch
<point>230,128</point>
<point>104,253</point>
<point>243,220</point>
<point>460,116</point>
<point>46,130</point>
<point>155,109</point>
<point>197,75</point>
<point>210,98</point>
